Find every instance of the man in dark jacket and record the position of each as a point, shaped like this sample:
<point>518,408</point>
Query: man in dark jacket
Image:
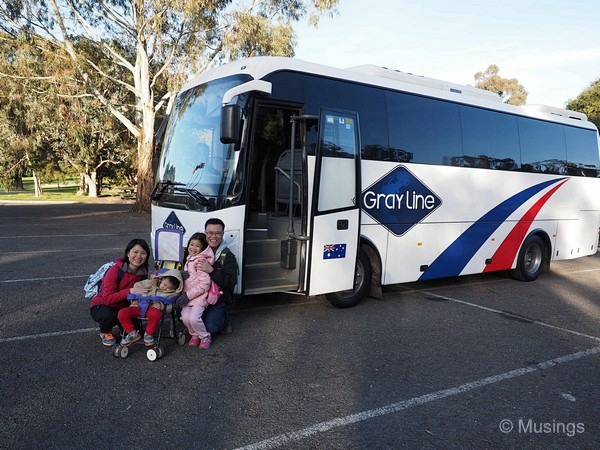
<point>223,272</point>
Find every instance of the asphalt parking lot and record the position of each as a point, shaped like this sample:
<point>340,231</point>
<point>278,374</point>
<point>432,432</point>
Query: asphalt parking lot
<point>473,362</point>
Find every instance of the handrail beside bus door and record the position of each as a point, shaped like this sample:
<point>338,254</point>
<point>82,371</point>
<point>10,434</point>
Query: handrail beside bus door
<point>291,233</point>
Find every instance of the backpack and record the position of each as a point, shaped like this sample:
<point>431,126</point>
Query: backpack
<point>92,285</point>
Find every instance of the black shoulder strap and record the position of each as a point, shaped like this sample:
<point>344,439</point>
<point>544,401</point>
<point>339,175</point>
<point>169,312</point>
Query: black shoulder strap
<point>120,277</point>
<point>222,256</point>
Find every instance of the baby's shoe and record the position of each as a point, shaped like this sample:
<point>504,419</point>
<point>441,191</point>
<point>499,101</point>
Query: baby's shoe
<point>205,342</point>
<point>132,337</point>
<point>148,340</point>
<point>195,340</point>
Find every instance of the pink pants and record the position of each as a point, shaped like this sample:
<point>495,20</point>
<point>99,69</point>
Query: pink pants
<point>127,315</point>
<point>191,316</point>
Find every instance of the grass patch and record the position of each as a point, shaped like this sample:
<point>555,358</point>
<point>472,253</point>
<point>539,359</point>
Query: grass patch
<point>64,191</point>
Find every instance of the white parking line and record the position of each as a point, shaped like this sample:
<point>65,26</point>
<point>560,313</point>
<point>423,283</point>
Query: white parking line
<point>43,335</point>
<point>64,277</point>
<point>62,235</point>
<point>504,313</point>
<point>62,250</point>
<point>294,436</point>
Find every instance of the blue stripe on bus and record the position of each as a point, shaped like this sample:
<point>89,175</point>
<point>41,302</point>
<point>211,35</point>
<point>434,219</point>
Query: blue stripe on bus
<point>452,261</point>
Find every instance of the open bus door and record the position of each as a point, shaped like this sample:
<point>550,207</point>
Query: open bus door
<point>336,204</point>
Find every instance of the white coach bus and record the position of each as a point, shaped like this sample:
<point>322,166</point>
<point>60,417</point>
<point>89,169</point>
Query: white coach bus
<point>337,182</point>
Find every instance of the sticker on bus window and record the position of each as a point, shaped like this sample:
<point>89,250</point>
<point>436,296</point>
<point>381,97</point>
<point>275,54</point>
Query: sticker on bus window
<point>334,251</point>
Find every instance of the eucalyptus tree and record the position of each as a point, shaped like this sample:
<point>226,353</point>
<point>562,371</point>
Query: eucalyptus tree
<point>157,43</point>
<point>24,142</point>
<point>49,124</point>
<point>510,90</point>
<point>588,102</point>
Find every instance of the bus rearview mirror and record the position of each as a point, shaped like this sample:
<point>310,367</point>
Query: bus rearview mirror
<point>230,124</point>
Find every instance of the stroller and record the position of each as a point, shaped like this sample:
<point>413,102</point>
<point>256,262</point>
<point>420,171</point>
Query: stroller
<point>168,255</point>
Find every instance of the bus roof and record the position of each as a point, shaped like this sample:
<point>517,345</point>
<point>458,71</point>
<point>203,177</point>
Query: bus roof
<point>261,66</point>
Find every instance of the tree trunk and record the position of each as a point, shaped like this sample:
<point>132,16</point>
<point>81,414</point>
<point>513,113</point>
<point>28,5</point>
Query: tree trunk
<point>145,179</point>
<point>18,182</point>
<point>81,184</point>
<point>90,182</point>
<point>37,185</point>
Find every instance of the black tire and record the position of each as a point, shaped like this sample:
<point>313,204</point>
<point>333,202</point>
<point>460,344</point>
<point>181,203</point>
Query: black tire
<point>531,260</point>
<point>362,281</point>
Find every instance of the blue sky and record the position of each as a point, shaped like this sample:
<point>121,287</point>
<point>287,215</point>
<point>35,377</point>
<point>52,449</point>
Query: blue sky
<point>551,46</point>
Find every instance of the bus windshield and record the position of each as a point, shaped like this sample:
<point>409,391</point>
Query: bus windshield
<point>196,170</point>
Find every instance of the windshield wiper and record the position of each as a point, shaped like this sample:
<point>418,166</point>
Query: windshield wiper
<point>161,186</point>
<point>176,187</point>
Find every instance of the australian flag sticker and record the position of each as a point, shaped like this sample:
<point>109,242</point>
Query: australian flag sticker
<point>334,251</point>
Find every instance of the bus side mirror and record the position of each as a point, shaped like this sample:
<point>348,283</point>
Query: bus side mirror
<point>230,123</point>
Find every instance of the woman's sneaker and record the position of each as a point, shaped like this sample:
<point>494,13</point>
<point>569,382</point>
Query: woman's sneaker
<point>205,342</point>
<point>148,340</point>
<point>195,340</point>
<point>132,337</point>
<point>108,339</point>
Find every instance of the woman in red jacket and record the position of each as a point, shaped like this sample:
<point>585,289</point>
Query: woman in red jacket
<point>116,285</point>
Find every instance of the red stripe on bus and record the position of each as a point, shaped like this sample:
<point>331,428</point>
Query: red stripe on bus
<point>506,253</point>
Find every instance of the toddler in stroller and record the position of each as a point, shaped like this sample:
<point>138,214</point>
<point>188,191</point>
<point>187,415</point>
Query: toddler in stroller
<point>162,290</point>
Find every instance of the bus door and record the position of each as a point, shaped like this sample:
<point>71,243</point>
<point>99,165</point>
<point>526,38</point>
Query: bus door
<point>336,204</point>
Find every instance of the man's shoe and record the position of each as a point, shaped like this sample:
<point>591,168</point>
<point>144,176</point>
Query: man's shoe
<point>228,329</point>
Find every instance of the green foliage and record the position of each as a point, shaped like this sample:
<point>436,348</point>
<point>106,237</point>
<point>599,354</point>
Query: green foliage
<point>588,102</point>
<point>47,121</point>
<point>509,90</point>
<point>131,57</point>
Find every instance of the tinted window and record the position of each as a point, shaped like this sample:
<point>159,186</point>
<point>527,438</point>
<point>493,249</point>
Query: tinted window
<point>426,128</point>
<point>582,152</point>
<point>543,148</point>
<point>490,139</point>
<point>317,92</point>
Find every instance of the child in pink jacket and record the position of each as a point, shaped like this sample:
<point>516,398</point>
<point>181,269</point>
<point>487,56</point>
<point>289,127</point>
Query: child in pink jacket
<point>196,288</point>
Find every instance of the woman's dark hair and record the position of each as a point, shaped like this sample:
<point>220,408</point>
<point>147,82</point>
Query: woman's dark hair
<point>142,243</point>
<point>197,237</point>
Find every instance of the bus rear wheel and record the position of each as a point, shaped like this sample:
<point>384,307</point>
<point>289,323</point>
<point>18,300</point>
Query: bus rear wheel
<point>531,260</point>
<point>362,281</point>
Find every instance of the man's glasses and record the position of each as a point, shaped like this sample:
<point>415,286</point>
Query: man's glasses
<point>214,233</point>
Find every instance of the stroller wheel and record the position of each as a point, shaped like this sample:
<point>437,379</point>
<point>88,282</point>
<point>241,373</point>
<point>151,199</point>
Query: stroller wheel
<point>153,353</point>
<point>115,350</point>
<point>124,352</point>
<point>181,338</point>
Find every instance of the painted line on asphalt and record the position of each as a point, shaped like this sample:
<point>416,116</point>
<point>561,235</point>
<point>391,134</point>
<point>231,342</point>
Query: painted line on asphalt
<point>516,316</point>
<point>585,271</point>
<point>64,277</point>
<point>62,250</point>
<point>44,335</point>
<point>295,436</point>
<point>63,235</point>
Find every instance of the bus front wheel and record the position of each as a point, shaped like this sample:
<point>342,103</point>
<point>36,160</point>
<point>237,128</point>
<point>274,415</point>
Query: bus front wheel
<point>362,280</point>
<point>531,260</point>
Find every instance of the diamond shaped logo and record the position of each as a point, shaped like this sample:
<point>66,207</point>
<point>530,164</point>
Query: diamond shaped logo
<point>172,222</point>
<point>399,201</point>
